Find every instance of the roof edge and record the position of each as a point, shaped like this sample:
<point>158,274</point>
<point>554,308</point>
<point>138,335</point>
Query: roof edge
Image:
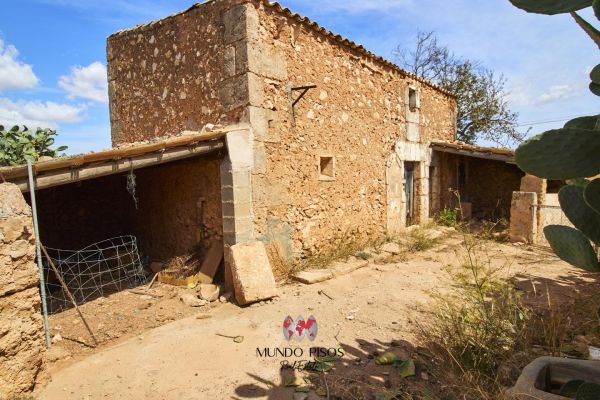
<point>312,25</point>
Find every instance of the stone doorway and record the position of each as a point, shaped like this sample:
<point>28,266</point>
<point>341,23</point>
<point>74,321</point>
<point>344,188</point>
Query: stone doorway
<point>409,191</point>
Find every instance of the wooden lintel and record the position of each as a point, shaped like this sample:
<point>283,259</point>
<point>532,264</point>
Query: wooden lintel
<point>113,167</point>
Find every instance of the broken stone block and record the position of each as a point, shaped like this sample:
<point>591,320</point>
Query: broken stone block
<point>209,292</point>
<point>393,248</point>
<point>313,276</point>
<point>191,300</point>
<point>253,278</point>
<point>339,268</point>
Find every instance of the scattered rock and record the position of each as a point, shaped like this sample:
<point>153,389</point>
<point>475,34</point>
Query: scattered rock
<point>350,317</point>
<point>57,338</point>
<point>226,297</point>
<point>209,292</point>
<point>340,269</point>
<point>313,276</point>
<point>57,353</point>
<point>192,300</point>
<point>433,234</point>
<point>203,316</point>
<point>392,248</point>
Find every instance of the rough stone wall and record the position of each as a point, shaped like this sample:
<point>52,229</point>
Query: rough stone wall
<point>22,346</point>
<point>77,215</point>
<point>357,114</point>
<point>489,185</point>
<point>168,76</point>
<point>179,208</point>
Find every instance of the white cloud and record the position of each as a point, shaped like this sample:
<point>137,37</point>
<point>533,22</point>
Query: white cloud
<point>14,74</point>
<point>556,92</point>
<point>38,114</point>
<point>86,82</point>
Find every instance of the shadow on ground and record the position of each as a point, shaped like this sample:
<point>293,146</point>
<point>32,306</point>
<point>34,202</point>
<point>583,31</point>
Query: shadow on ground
<point>356,376</point>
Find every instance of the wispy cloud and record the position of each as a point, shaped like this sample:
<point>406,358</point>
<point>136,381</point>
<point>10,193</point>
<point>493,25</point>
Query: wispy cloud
<point>38,114</point>
<point>14,74</point>
<point>86,82</point>
<point>557,92</point>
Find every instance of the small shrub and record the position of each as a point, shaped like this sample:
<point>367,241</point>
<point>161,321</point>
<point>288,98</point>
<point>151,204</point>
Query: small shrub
<point>448,217</point>
<point>363,255</point>
<point>19,146</point>
<point>420,241</point>
<point>479,326</point>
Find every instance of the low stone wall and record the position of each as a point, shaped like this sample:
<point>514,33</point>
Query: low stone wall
<point>22,347</point>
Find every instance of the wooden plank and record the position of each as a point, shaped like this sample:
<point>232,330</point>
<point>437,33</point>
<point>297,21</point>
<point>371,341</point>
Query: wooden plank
<point>211,263</point>
<point>69,175</point>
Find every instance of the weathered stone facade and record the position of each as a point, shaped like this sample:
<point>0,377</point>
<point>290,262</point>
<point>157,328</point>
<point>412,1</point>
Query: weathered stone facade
<point>22,345</point>
<point>333,163</point>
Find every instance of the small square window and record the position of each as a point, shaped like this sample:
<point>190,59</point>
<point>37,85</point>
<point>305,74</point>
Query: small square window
<point>326,168</point>
<point>412,99</point>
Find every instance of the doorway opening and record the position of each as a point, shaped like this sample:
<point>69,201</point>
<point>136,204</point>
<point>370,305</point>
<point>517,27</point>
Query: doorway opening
<point>409,191</point>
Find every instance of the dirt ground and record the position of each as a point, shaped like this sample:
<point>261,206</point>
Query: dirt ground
<point>154,347</point>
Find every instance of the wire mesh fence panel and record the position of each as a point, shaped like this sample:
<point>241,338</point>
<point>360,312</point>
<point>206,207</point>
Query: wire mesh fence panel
<point>98,270</point>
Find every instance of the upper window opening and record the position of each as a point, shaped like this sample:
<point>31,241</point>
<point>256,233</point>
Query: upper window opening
<point>412,99</point>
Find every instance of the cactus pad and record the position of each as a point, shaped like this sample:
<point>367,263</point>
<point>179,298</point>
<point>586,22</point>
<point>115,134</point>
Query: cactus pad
<point>588,123</point>
<point>561,154</point>
<point>551,7</point>
<point>592,195</point>
<point>588,391</point>
<point>586,219</point>
<point>572,246</point>
<point>595,74</point>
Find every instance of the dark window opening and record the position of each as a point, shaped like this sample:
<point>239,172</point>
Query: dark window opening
<point>412,99</point>
<point>327,167</point>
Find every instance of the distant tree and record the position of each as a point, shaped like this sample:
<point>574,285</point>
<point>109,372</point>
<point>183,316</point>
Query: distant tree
<point>482,109</point>
<point>18,146</point>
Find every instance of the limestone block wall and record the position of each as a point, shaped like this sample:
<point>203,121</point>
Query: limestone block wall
<point>176,74</point>
<point>356,115</point>
<point>236,61</point>
<point>22,345</point>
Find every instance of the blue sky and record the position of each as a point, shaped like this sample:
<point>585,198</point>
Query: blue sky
<point>52,54</point>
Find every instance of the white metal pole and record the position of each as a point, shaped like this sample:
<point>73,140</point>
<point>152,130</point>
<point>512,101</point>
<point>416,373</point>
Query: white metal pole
<point>39,252</point>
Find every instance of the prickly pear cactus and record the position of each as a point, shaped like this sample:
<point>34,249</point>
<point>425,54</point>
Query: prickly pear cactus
<point>571,154</point>
<point>572,246</point>
<point>581,215</point>
<point>561,154</point>
<point>551,7</point>
<point>588,391</point>
<point>592,195</point>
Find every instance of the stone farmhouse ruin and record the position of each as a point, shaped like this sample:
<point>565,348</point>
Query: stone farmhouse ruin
<point>237,121</point>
